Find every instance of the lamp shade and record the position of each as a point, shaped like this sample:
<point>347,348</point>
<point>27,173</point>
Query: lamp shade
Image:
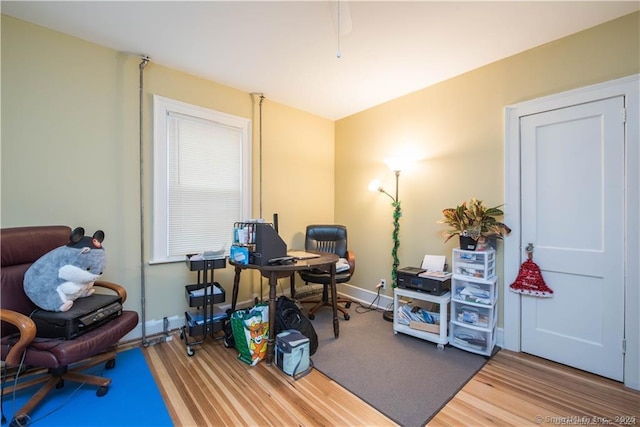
<point>374,185</point>
<point>396,164</point>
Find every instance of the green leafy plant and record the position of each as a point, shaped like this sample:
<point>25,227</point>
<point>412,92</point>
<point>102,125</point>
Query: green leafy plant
<point>473,219</point>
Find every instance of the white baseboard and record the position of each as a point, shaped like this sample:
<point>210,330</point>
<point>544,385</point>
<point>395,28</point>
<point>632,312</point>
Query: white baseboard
<point>155,327</point>
<point>365,297</point>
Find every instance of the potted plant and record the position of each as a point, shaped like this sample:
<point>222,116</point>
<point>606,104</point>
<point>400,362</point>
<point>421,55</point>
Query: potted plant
<point>474,223</point>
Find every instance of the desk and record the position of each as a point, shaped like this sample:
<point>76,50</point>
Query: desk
<point>275,272</point>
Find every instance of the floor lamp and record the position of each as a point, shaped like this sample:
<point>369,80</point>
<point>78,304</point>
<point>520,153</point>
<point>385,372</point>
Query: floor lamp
<point>397,213</point>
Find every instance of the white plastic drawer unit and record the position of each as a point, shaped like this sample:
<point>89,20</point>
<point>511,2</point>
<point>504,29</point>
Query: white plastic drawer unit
<point>472,339</point>
<point>474,292</point>
<point>466,314</point>
<point>476,264</point>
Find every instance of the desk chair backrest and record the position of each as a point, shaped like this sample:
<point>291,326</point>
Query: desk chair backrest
<point>333,239</point>
<point>327,238</point>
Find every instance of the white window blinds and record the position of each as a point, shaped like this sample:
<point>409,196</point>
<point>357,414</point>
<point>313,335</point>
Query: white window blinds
<point>205,158</point>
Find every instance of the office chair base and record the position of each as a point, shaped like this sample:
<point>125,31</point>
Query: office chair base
<point>322,303</point>
<point>21,417</point>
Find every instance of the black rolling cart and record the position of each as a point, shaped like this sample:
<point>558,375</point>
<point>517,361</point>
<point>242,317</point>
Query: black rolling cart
<point>207,318</point>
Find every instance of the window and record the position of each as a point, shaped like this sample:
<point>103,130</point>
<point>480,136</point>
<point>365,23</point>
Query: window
<point>202,171</point>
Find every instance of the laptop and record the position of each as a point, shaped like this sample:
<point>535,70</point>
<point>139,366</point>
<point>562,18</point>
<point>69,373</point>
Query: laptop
<point>302,255</point>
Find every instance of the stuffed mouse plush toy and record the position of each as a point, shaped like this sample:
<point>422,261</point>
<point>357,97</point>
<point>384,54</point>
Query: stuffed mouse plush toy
<point>66,273</point>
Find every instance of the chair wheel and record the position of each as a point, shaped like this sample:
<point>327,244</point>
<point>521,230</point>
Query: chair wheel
<point>102,391</point>
<point>20,421</point>
<point>347,305</point>
<point>311,316</point>
<point>111,363</point>
<point>347,317</point>
<point>190,351</point>
<point>60,384</point>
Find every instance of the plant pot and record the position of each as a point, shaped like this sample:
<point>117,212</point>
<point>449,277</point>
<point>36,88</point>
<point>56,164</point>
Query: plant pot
<point>467,243</point>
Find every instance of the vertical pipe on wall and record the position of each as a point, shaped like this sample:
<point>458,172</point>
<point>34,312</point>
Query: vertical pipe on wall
<point>145,61</point>
<point>260,213</point>
<point>261,100</point>
<point>261,95</point>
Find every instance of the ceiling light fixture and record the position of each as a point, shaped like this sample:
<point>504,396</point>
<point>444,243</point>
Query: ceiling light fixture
<point>338,54</point>
<point>341,16</point>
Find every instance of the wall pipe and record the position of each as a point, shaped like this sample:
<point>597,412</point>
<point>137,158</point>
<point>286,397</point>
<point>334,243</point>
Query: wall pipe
<point>260,168</point>
<point>261,95</point>
<point>261,100</point>
<point>143,64</point>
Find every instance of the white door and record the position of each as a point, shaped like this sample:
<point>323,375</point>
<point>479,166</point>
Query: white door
<point>572,211</point>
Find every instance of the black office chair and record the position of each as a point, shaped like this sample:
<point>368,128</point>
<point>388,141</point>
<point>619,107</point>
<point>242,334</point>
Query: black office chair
<point>332,239</point>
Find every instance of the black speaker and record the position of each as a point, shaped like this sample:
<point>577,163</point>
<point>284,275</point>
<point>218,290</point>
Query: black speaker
<point>268,243</point>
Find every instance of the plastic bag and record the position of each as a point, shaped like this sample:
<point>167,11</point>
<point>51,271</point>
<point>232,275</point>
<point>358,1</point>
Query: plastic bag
<point>250,333</point>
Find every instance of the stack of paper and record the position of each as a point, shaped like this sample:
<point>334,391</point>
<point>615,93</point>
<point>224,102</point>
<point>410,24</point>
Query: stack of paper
<point>434,267</point>
<point>408,314</point>
<point>200,292</point>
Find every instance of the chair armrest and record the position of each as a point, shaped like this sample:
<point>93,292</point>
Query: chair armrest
<point>118,289</point>
<point>351,259</point>
<point>27,330</point>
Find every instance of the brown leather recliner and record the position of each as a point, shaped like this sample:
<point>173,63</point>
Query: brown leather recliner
<point>21,349</point>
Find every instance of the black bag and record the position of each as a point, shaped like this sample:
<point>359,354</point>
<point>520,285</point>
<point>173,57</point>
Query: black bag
<point>289,316</point>
<point>229,341</point>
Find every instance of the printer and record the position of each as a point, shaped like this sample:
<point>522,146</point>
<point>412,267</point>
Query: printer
<point>430,277</point>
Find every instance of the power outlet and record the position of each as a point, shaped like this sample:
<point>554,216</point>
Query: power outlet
<point>383,283</point>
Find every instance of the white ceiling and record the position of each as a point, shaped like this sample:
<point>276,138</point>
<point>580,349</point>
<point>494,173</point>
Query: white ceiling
<point>287,50</point>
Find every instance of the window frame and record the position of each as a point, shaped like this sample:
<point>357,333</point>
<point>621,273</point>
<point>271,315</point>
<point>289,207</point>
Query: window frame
<point>162,106</point>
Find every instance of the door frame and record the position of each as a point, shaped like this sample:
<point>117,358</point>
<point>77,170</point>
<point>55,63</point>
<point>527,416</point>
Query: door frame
<point>629,87</point>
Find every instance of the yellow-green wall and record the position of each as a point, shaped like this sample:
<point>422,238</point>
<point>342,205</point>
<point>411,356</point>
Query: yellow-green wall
<point>456,131</point>
<point>70,144</point>
<point>70,154</point>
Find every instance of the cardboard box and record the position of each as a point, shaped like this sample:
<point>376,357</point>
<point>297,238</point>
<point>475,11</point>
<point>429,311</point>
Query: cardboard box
<point>434,328</point>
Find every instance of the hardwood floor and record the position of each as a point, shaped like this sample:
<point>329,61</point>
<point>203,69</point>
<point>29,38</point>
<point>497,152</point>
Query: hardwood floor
<point>213,388</point>
<point>520,389</point>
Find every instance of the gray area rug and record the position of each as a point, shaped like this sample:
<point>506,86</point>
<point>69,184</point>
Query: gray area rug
<point>406,378</point>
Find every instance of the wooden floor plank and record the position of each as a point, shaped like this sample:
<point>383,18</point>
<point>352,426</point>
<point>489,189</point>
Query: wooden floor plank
<point>214,388</point>
<point>520,389</point>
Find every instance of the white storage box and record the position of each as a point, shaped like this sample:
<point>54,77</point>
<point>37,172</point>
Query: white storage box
<point>472,339</point>
<point>475,292</point>
<point>476,264</point>
<point>473,315</point>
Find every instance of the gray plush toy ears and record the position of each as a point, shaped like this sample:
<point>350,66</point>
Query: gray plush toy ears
<point>76,235</point>
<point>77,239</point>
<point>99,236</point>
